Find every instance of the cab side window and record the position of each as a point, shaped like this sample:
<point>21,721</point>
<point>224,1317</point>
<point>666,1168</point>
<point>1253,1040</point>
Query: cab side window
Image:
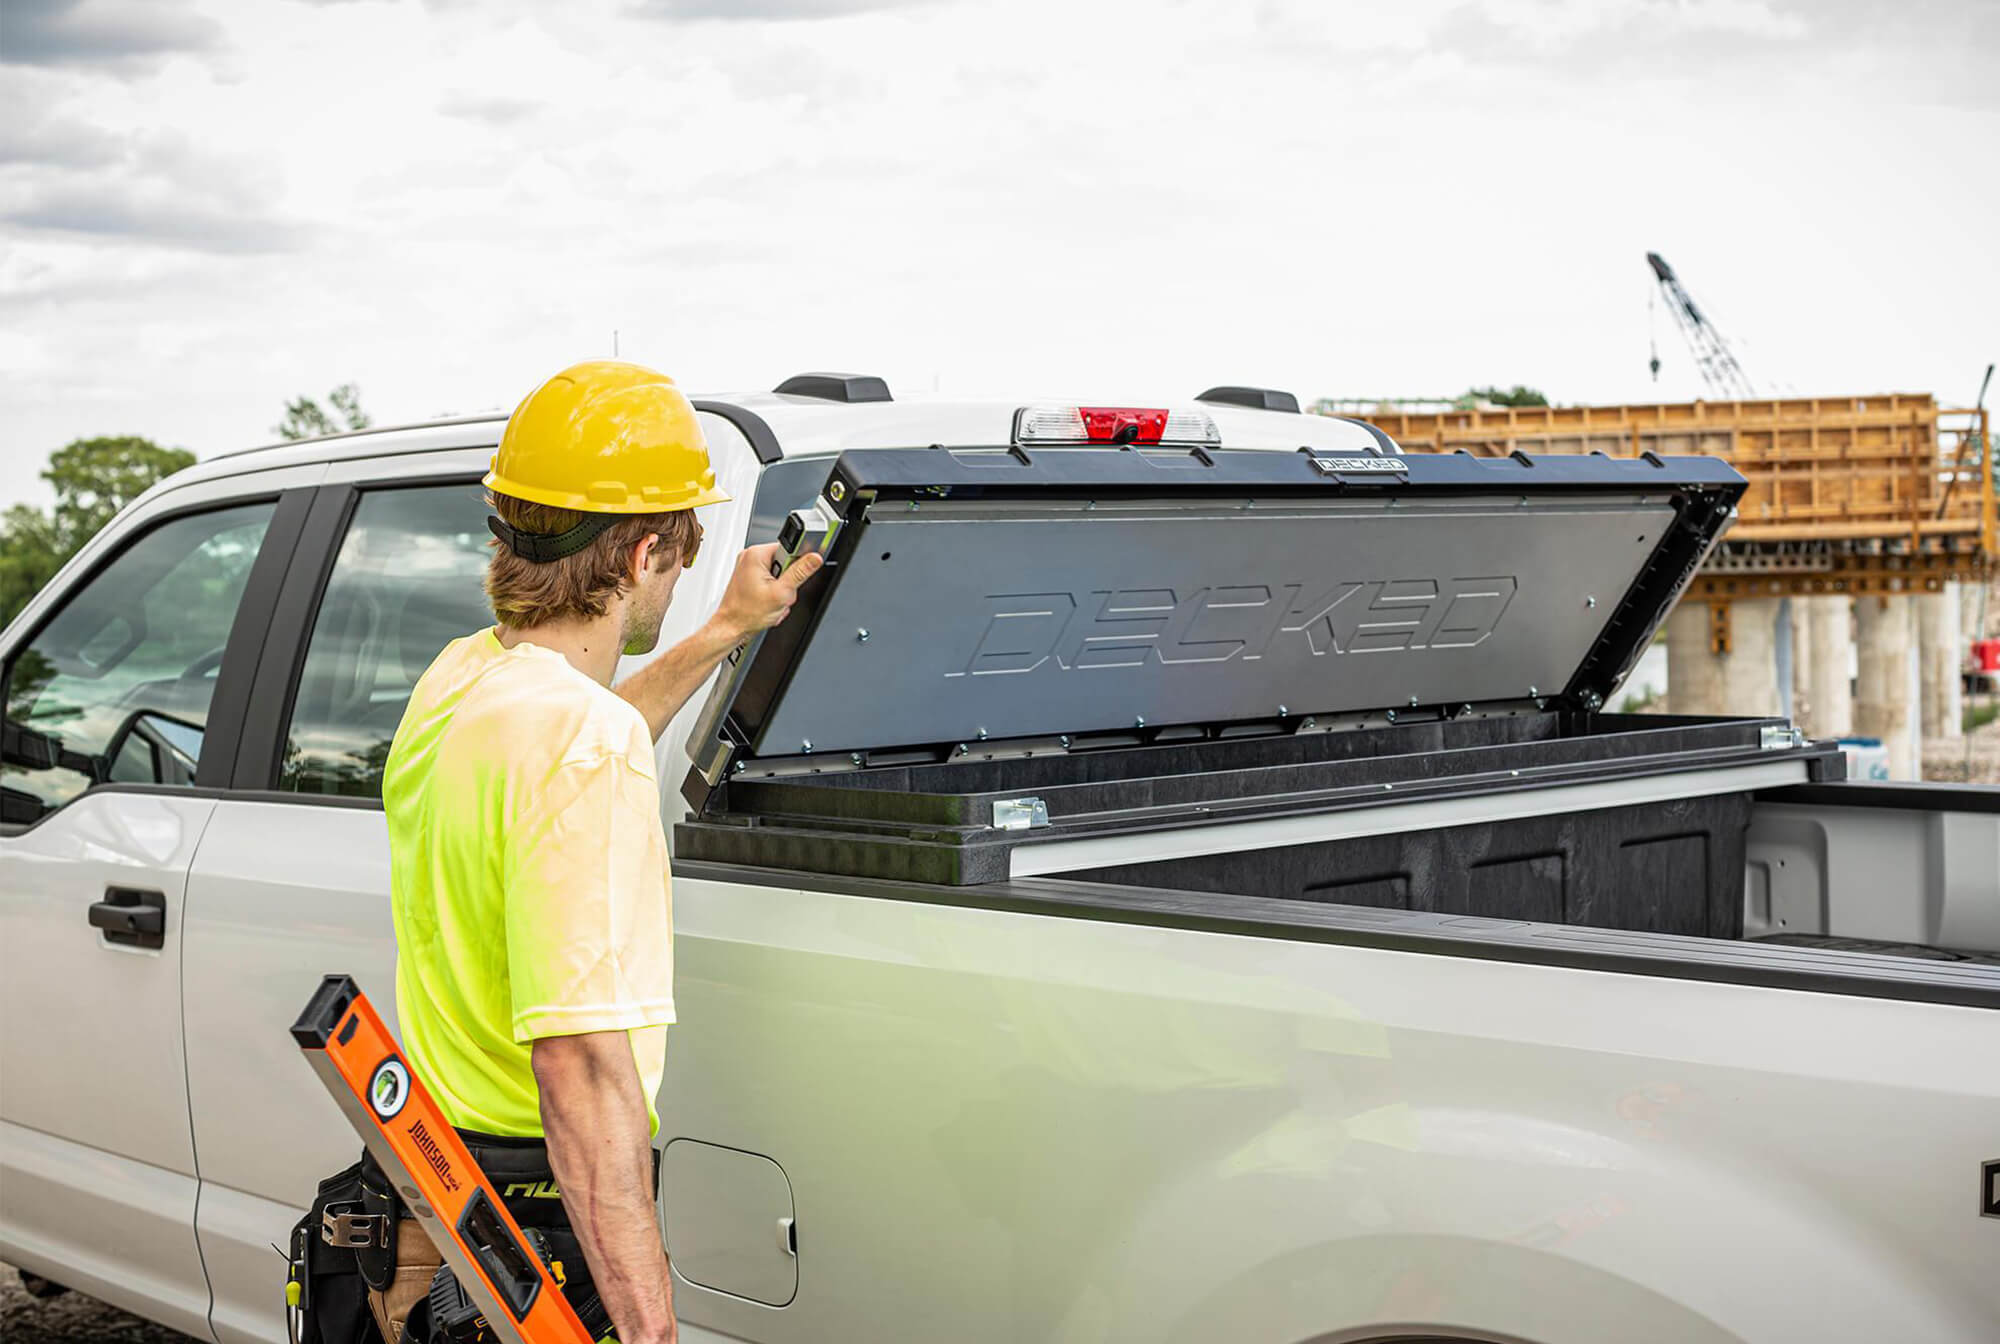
<point>409,579</point>
<point>115,688</point>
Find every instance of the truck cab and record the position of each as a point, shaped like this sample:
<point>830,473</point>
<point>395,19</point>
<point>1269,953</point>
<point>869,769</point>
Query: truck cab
<point>1372,982</point>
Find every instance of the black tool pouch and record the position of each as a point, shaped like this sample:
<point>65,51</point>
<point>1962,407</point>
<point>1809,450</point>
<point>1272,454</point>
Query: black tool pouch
<point>383,1215</point>
<point>328,1298</point>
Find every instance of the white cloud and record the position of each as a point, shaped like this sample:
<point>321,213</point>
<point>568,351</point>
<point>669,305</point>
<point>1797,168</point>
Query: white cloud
<point>443,202</point>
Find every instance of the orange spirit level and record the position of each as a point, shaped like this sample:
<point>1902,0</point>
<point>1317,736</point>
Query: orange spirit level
<point>352,1052</point>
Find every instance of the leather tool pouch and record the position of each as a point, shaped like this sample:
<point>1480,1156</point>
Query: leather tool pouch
<point>397,1259</point>
<point>382,1214</point>
<point>327,1295</point>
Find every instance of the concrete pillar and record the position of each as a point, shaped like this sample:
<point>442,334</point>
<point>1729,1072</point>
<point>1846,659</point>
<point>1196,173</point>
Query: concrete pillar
<point>1885,683</point>
<point>1830,712</point>
<point>1802,610</point>
<point>1941,653</point>
<point>1743,681</point>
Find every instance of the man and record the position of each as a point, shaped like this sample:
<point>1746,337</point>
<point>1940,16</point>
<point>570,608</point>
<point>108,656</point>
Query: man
<point>534,976</point>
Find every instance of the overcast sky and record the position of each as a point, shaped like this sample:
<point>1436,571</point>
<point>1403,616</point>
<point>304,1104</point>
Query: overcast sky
<point>209,206</point>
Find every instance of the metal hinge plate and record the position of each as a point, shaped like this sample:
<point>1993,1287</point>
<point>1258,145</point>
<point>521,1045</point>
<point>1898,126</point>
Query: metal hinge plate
<point>1019,814</point>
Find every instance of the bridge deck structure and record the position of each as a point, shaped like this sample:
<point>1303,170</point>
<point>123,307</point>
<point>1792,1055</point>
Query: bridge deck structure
<point>1847,495</point>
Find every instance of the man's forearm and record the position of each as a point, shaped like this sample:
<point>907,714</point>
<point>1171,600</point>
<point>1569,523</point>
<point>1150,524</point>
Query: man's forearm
<point>600,1147</point>
<point>662,686</point>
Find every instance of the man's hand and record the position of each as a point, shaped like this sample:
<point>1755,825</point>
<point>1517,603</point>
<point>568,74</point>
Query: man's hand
<point>600,1147</point>
<point>756,599</point>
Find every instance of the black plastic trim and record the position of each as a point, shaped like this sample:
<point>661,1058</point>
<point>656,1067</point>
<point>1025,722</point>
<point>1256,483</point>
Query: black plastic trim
<point>1661,955</point>
<point>753,427</point>
<point>852,388</point>
<point>268,713</point>
<point>926,474</point>
<point>236,679</point>
<point>1903,795</point>
<point>1256,398</point>
<point>323,1011</point>
<point>1382,439</point>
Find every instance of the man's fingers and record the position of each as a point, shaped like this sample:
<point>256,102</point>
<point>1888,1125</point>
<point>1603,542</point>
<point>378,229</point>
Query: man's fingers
<point>802,569</point>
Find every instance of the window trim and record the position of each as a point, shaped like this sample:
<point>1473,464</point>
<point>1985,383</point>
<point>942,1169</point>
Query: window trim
<point>235,678</point>
<point>260,753</point>
<point>260,759</point>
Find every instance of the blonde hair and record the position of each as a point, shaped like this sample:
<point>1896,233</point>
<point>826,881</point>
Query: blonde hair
<point>525,594</point>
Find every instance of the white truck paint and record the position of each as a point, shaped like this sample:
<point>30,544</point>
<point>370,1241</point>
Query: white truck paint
<point>1001,1123</point>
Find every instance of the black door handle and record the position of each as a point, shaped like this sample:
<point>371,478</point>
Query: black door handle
<point>130,917</point>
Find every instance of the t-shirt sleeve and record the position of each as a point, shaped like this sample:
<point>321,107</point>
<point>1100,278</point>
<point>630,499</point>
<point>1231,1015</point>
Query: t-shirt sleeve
<point>588,912</point>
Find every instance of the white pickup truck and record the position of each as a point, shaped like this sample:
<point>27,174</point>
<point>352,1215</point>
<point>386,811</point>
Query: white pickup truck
<point>1172,879</point>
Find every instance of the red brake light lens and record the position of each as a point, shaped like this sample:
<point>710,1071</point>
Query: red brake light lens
<point>1122,424</point>
<point>1114,425</point>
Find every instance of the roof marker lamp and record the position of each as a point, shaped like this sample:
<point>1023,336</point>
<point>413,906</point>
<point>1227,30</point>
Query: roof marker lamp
<point>1115,426</point>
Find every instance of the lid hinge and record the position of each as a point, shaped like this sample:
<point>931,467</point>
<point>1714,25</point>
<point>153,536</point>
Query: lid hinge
<point>1019,814</point>
<point>1779,737</point>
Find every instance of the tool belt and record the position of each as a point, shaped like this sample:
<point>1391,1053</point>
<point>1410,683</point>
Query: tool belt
<point>347,1246</point>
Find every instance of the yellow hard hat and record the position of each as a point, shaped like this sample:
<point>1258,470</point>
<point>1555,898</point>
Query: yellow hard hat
<point>605,436</point>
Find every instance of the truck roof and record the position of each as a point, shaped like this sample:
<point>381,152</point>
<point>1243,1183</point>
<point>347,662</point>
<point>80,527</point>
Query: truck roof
<point>801,425</point>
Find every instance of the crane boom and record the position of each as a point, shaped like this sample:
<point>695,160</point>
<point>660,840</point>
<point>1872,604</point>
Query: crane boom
<point>1712,355</point>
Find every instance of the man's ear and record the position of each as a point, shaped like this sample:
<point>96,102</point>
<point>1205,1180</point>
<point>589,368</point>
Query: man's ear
<point>641,557</point>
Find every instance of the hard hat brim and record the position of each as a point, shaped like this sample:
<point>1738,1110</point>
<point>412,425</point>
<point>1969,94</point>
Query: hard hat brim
<point>580,503</point>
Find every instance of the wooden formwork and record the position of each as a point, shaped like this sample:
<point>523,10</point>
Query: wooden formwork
<point>1829,477</point>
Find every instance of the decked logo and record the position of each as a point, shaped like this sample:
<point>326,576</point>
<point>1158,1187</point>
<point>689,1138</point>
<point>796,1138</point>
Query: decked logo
<point>1137,626</point>
<point>1361,466</point>
<point>389,1088</point>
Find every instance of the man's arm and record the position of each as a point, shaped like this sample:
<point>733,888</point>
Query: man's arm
<point>755,600</point>
<point>601,1150</point>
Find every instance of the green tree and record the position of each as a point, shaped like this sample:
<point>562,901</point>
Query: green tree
<point>306,419</point>
<point>93,479</point>
<point>1517,395</point>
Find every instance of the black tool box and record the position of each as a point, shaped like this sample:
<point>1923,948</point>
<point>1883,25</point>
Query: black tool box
<point>1376,681</point>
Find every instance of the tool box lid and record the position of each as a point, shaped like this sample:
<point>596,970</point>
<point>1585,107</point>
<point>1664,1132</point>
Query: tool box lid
<point>983,601</point>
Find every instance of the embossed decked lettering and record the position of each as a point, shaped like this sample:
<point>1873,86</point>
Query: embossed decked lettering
<point>1474,611</point>
<point>1021,628</point>
<point>1378,615</point>
<point>1213,625</point>
<point>1132,627</point>
<point>1122,634</point>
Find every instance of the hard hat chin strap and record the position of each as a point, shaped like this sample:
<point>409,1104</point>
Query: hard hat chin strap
<point>542,548</point>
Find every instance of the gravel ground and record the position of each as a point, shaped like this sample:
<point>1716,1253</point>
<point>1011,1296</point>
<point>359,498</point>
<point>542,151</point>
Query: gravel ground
<point>71,1319</point>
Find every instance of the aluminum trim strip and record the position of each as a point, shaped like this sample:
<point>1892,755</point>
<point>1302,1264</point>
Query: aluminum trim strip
<point>1031,859</point>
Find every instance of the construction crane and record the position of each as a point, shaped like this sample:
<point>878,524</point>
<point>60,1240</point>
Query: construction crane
<point>1719,369</point>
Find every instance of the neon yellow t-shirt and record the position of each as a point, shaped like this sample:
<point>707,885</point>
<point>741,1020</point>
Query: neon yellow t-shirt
<point>528,877</point>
